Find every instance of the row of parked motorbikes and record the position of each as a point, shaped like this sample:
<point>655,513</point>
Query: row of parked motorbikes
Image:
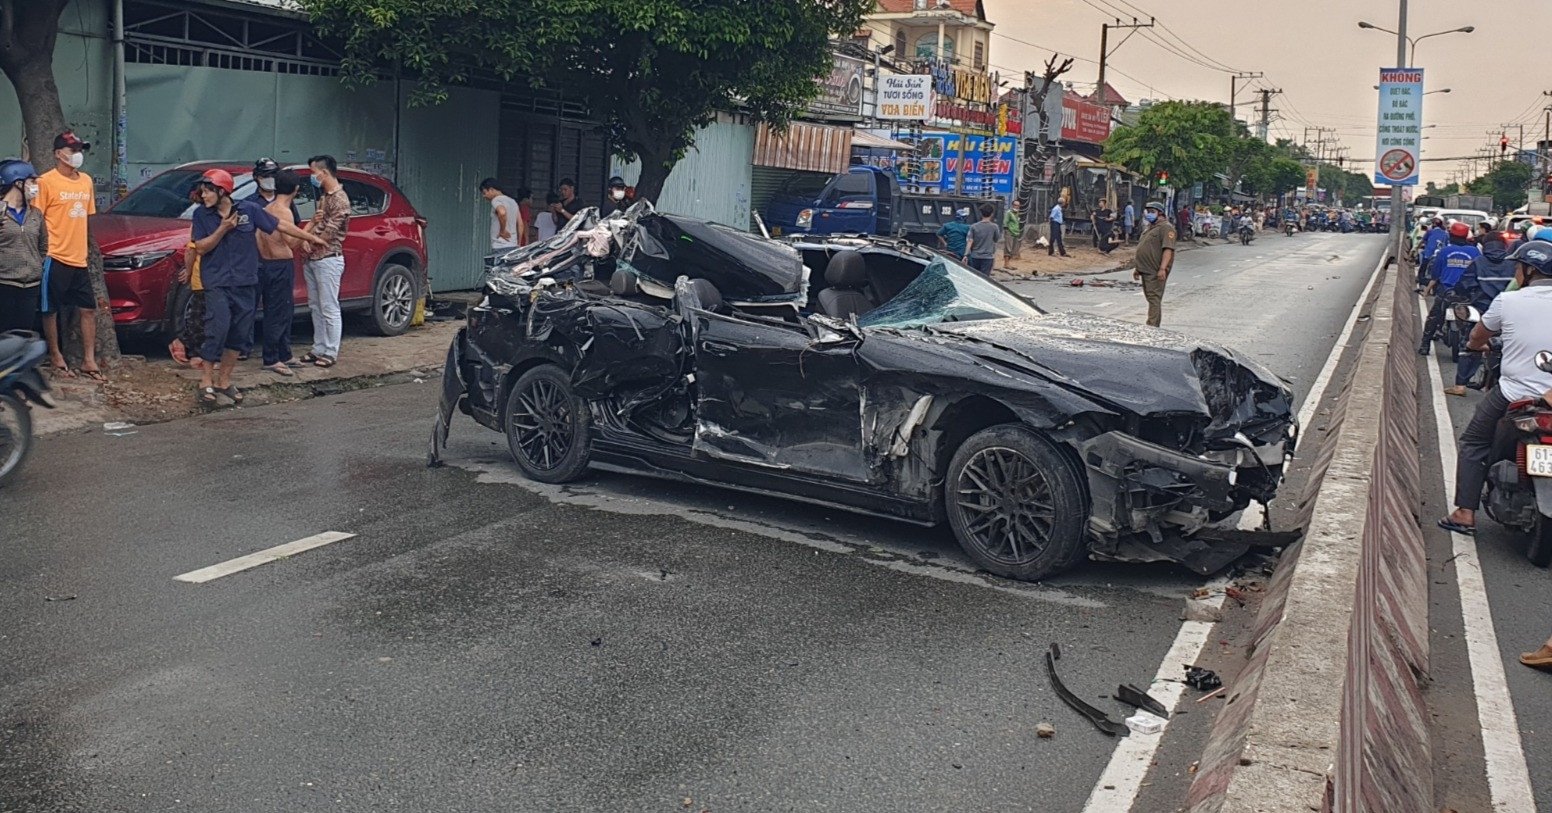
<point>1292,227</point>
<point>1519,478</point>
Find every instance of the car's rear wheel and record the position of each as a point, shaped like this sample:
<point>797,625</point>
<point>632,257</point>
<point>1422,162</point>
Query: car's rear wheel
<point>393,299</point>
<point>547,426</point>
<point>1016,504</point>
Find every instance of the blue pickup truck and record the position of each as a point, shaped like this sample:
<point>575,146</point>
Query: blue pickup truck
<point>866,200</point>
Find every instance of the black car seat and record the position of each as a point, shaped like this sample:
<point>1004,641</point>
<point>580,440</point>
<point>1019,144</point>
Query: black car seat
<point>624,285</point>
<point>847,278</point>
<point>706,296</point>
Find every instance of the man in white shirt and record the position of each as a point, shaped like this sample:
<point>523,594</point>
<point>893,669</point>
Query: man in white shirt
<point>506,224</point>
<point>1523,319</point>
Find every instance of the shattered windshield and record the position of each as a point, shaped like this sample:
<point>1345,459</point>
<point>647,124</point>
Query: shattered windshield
<point>947,292</point>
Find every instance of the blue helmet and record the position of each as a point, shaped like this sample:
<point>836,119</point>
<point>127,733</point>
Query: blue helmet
<point>13,170</point>
<point>1535,253</point>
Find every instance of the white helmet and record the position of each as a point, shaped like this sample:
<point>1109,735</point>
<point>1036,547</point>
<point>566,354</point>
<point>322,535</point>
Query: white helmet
<point>1491,223</point>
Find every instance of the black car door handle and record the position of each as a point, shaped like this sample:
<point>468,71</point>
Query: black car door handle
<point>718,348</point>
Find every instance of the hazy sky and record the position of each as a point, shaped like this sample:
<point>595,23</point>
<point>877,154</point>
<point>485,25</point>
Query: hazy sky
<point>1314,52</point>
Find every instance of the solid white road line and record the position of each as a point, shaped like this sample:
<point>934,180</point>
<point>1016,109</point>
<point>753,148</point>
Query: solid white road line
<point>1508,776</point>
<point>265,556</point>
<point>1118,786</point>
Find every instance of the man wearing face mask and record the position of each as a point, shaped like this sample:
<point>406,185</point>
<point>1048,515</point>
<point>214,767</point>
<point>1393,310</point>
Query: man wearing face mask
<point>325,265</point>
<point>264,172</point>
<point>23,246</point>
<point>620,197</point>
<point>1155,256</point>
<point>66,198</point>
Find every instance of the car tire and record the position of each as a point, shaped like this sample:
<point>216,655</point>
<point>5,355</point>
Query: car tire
<point>394,295</point>
<point>547,426</point>
<point>1010,478</point>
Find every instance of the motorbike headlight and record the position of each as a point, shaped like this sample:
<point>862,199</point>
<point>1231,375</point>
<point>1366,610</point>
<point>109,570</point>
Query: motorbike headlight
<point>805,219</point>
<point>133,262</point>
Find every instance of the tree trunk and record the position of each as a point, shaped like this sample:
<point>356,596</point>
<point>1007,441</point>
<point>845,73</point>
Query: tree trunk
<point>656,164</point>
<point>28,30</point>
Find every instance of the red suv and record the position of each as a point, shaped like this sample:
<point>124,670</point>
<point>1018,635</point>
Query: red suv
<point>143,237</point>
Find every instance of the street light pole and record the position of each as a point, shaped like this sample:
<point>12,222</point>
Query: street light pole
<point>1397,217</point>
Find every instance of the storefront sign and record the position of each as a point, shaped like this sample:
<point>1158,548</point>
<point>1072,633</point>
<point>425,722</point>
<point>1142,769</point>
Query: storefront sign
<point>940,158</point>
<point>905,97</point>
<point>1084,121</point>
<point>1399,143</point>
<point>840,92</point>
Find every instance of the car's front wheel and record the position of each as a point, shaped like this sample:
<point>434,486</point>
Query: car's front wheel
<point>547,426</point>
<point>1016,504</point>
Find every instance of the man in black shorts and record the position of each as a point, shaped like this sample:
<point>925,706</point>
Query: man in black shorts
<point>66,198</point>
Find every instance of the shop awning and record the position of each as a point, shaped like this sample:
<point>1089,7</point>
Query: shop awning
<point>863,138</point>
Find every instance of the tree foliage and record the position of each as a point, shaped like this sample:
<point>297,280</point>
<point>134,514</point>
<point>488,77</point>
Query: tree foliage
<point>651,70</point>
<point>1188,140</point>
<point>1507,182</point>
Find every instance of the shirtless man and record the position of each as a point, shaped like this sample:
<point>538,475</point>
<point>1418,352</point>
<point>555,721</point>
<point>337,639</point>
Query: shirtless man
<point>277,268</point>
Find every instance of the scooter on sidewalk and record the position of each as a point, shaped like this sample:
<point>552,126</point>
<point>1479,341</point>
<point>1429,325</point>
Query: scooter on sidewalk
<point>21,384</point>
<point>1519,483</point>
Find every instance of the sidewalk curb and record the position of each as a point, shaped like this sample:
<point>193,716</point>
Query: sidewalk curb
<point>1273,746</point>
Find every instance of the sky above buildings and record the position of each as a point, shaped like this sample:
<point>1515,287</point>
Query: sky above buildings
<point>1313,50</point>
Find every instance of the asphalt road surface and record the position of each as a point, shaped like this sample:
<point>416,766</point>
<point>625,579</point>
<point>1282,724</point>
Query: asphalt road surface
<point>484,643</point>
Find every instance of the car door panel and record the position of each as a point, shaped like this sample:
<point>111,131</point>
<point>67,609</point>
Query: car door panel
<point>768,395</point>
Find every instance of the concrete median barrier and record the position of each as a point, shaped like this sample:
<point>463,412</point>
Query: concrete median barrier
<point>1328,713</point>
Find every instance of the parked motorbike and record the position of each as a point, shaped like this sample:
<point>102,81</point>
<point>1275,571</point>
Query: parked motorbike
<point>21,384</point>
<point>1519,483</point>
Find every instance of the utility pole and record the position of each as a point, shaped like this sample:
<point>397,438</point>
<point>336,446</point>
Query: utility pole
<point>1104,49</point>
<point>1266,112</point>
<point>1397,217</point>
<point>1234,89</point>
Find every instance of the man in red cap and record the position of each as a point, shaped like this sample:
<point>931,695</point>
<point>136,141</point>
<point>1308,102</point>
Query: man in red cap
<point>67,199</point>
<point>225,235</point>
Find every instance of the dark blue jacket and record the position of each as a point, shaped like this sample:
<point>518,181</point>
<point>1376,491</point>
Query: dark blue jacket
<point>1435,239</point>
<point>1489,275</point>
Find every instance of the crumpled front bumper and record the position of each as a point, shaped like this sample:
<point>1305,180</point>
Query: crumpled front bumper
<point>1145,494</point>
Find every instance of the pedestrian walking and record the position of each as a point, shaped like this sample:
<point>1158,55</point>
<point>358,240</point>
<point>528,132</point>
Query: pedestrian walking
<point>955,234</point>
<point>1012,232</point>
<point>1155,257</point>
<point>67,198</point>
<point>548,221</point>
<point>1057,244</point>
<point>981,245</point>
<point>1129,220</point>
<point>506,222</point>
<point>23,247</point>
<point>326,261</point>
<point>277,276</point>
<point>224,233</point>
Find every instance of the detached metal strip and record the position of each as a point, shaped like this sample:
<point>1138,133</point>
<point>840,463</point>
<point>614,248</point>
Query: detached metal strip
<point>1101,720</point>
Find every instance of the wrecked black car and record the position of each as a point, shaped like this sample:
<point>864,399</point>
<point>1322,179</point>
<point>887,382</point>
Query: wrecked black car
<point>868,375</point>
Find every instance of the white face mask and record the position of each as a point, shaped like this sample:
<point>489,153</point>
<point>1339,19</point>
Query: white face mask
<point>31,190</point>
<point>618,194</point>
<point>76,159</point>
<point>267,184</point>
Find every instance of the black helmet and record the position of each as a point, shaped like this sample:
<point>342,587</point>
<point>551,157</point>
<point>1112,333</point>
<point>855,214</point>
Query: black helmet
<point>265,166</point>
<point>1535,253</point>
<point>616,181</point>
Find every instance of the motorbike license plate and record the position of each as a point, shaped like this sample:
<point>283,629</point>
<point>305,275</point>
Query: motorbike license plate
<point>1538,460</point>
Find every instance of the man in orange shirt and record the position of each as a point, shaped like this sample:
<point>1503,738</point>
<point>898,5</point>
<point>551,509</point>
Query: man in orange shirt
<point>66,198</point>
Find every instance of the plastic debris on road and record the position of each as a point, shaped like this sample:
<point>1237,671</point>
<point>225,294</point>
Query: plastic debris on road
<point>1144,723</point>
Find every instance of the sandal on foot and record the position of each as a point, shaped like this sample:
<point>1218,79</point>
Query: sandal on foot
<point>280,368</point>
<point>95,375</point>
<point>233,393</point>
<point>294,364</point>
<point>1457,527</point>
<point>207,396</point>
<point>324,362</point>
<point>309,358</point>
<point>62,371</point>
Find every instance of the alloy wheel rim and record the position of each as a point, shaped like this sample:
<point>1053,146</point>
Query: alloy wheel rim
<point>1007,505</point>
<point>541,424</point>
<point>397,300</point>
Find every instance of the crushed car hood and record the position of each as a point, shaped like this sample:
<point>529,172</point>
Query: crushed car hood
<point>1145,370</point>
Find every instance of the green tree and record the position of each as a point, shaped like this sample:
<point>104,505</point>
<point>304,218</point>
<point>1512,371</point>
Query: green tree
<point>652,70</point>
<point>1188,140</point>
<point>1277,175</point>
<point>1243,154</point>
<point>1507,183</point>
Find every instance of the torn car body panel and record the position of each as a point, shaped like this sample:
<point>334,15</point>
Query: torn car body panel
<point>707,357</point>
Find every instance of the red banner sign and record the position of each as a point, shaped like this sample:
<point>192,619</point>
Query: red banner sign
<point>1084,121</point>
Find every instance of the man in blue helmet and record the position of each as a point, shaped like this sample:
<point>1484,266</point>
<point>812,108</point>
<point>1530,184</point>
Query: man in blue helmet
<point>23,247</point>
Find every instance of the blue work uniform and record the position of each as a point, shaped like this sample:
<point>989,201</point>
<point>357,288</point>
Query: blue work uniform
<point>955,234</point>
<point>230,274</point>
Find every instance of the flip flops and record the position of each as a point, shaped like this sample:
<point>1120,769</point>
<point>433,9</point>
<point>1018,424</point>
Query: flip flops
<point>95,375</point>
<point>280,368</point>
<point>1456,527</point>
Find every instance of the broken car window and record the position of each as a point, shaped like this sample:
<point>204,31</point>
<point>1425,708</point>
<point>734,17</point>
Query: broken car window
<point>947,292</point>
